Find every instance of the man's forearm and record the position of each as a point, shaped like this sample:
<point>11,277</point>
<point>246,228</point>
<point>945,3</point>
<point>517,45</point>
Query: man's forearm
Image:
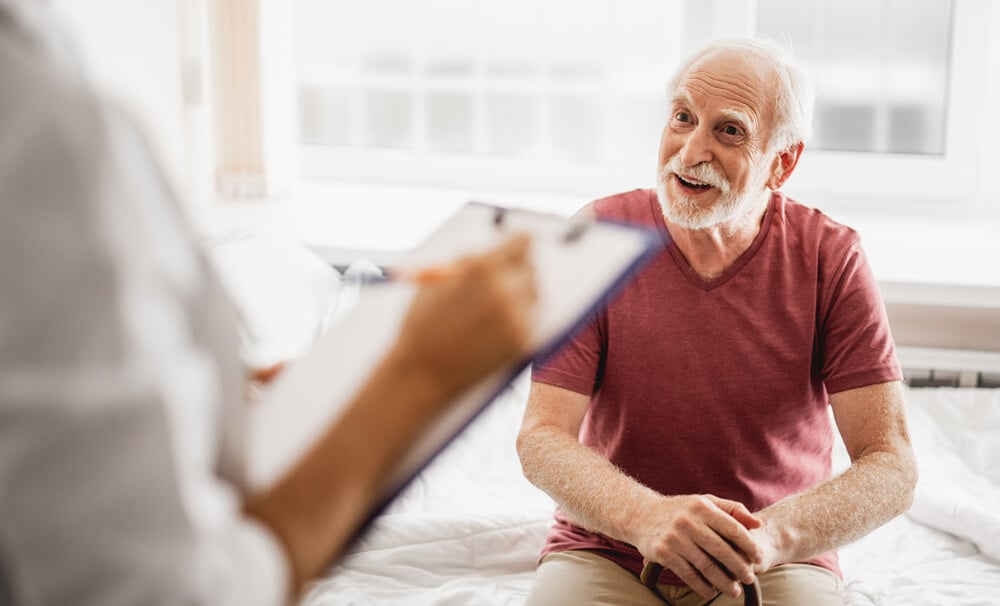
<point>875,489</point>
<point>594,493</point>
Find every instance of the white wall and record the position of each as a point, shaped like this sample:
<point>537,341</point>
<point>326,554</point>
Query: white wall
<point>989,184</point>
<point>131,51</point>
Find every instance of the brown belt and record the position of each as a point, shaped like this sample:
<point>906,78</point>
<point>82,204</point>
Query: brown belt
<point>651,574</point>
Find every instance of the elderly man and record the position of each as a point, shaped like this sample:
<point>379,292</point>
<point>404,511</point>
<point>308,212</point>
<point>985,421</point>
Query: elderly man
<point>687,425</point>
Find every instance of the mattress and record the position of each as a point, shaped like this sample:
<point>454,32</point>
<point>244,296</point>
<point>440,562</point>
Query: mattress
<point>470,527</point>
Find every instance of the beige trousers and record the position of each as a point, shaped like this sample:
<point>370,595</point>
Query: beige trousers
<point>582,578</point>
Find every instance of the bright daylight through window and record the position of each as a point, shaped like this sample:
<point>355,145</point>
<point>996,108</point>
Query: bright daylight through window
<point>579,85</point>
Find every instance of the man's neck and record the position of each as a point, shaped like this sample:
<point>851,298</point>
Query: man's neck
<point>711,251</point>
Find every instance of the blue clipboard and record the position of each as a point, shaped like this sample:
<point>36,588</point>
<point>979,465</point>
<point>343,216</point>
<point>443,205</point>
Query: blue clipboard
<point>579,265</point>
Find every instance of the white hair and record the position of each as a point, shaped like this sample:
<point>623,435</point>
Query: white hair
<point>793,102</point>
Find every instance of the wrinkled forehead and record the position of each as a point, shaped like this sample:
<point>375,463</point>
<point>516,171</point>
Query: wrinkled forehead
<point>734,82</point>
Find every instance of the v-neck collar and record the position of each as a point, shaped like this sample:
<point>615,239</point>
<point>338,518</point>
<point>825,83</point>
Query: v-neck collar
<point>732,270</point>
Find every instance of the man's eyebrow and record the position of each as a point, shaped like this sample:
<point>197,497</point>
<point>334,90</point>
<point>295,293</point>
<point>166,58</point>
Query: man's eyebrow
<point>681,96</point>
<point>738,116</point>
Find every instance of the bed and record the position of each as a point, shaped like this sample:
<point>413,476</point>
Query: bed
<point>469,529</point>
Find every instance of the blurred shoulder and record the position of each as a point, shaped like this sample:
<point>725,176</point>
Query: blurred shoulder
<point>638,206</point>
<point>45,99</point>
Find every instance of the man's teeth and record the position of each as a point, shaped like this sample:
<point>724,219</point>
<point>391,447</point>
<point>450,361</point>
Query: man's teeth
<point>693,182</point>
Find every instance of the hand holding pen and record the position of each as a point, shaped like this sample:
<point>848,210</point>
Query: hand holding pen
<point>471,316</point>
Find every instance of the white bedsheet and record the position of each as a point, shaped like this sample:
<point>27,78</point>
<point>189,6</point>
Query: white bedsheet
<point>469,530</point>
<point>957,452</point>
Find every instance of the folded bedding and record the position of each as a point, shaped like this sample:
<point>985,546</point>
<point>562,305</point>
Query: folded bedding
<point>954,432</point>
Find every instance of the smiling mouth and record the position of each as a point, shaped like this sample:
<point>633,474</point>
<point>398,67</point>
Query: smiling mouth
<point>692,183</point>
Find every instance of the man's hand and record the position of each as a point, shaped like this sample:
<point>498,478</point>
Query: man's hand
<point>704,540</point>
<point>764,537</point>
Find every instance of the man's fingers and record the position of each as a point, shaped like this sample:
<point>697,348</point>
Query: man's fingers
<point>733,529</point>
<point>739,512</point>
<point>706,542</point>
<point>696,551</point>
<point>735,563</point>
<point>717,534</point>
<point>720,578</point>
<point>693,579</point>
<point>704,575</point>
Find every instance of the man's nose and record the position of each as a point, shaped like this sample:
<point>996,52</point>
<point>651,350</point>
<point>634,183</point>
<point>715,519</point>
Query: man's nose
<point>697,147</point>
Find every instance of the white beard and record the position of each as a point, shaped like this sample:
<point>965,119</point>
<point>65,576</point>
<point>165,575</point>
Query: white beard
<point>685,211</point>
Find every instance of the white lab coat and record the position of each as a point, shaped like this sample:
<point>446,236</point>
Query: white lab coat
<point>120,386</point>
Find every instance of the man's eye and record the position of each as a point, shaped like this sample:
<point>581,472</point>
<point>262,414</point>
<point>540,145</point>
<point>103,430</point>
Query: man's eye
<point>682,117</point>
<point>732,131</point>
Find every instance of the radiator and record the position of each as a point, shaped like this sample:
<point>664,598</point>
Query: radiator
<point>934,367</point>
<point>946,334</point>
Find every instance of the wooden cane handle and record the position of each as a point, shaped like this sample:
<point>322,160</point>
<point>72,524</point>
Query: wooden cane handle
<point>651,575</point>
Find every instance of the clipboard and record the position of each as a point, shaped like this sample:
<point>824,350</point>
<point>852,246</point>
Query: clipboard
<point>578,266</point>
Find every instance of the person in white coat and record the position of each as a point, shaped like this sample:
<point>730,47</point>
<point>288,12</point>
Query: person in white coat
<point>121,388</point>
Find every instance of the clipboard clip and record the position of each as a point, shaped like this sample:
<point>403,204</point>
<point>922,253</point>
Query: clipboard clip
<point>576,229</point>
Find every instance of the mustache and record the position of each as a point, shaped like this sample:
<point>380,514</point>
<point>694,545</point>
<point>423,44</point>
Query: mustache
<point>703,171</point>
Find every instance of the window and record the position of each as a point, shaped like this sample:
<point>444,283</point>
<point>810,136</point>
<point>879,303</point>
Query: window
<point>568,95</point>
<point>879,67</point>
<point>899,88</point>
<point>487,82</point>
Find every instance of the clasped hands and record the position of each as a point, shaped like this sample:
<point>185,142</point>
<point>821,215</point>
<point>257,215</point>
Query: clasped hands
<point>712,544</point>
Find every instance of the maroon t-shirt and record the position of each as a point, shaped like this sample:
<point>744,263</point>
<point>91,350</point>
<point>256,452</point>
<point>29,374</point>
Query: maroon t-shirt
<point>722,386</point>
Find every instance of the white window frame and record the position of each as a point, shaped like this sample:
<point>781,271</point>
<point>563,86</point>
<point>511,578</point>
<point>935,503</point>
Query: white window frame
<point>903,180</point>
<point>960,178</point>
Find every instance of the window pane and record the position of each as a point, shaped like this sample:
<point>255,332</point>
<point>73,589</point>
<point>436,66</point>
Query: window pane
<point>634,129</point>
<point>450,122</point>
<point>512,34</point>
<point>385,35</point>
<point>576,31</point>
<point>845,127</point>
<point>576,127</point>
<point>325,115</point>
<point>512,123</point>
<point>917,75</point>
<point>317,22</point>
<point>879,67</point>
<point>584,79</point>
<point>388,118</point>
<point>448,37</point>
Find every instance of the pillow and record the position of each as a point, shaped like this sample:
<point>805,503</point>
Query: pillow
<point>968,419</point>
<point>283,293</point>
<point>955,434</point>
<point>951,494</point>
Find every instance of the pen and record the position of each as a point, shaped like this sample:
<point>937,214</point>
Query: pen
<point>426,275</point>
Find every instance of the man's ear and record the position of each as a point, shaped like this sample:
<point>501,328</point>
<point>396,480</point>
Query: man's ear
<point>783,166</point>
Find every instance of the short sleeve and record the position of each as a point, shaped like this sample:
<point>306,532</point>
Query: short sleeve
<point>855,343</point>
<point>577,365</point>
